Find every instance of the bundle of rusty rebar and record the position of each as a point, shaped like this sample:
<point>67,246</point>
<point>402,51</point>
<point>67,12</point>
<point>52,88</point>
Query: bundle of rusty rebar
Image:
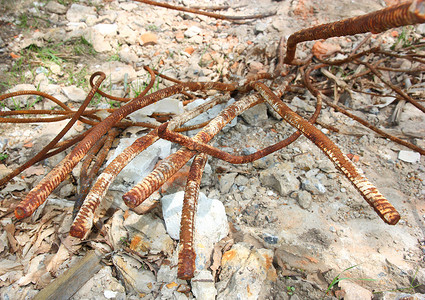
<point>98,139</point>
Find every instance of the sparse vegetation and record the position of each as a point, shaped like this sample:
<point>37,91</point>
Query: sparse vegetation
<point>3,156</point>
<point>404,39</point>
<point>338,278</point>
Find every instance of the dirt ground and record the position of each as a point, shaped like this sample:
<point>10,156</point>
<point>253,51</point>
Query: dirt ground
<point>315,224</point>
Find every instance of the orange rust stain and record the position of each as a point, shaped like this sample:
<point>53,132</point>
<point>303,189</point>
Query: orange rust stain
<point>269,261</point>
<point>135,242</point>
<point>312,259</point>
<point>302,262</point>
<point>229,255</point>
<point>171,285</point>
<point>14,56</point>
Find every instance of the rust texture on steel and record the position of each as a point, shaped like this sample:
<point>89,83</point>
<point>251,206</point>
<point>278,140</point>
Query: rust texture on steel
<point>39,194</point>
<point>170,165</point>
<point>187,255</point>
<point>205,13</point>
<point>84,220</point>
<point>369,192</point>
<point>408,13</point>
<point>94,144</point>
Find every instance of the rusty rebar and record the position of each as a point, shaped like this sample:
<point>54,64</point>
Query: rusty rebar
<point>205,13</point>
<point>52,143</point>
<point>169,166</point>
<point>29,204</point>
<point>97,153</point>
<point>187,255</point>
<point>408,13</point>
<point>165,133</point>
<point>84,220</point>
<point>39,194</point>
<point>369,192</point>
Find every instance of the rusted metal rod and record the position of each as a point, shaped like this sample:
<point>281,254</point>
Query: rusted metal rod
<point>187,255</point>
<point>98,153</point>
<point>52,143</point>
<point>169,166</point>
<point>408,13</point>
<point>205,13</point>
<point>369,192</point>
<point>84,220</point>
<point>39,194</point>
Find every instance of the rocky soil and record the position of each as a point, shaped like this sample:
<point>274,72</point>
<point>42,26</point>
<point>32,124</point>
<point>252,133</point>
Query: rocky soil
<point>283,227</point>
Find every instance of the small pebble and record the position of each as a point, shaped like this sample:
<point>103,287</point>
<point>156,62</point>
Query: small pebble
<point>270,239</point>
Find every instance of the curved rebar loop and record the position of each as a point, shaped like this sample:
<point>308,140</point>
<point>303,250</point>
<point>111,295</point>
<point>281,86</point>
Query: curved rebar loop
<point>408,13</point>
<point>205,13</point>
<point>85,217</point>
<point>35,93</point>
<point>369,192</point>
<point>39,193</point>
<point>50,145</point>
<point>187,255</point>
<point>170,165</point>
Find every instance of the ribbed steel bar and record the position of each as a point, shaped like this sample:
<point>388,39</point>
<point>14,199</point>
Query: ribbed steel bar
<point>84,220</point>
<point>369,192</point>
<point>39,194</point>
<point>98,154</point>
<point>52,143</point>
<point>408,13</point>
<point>169,166</point>
<point>187,255</point>
<point>191,144</point>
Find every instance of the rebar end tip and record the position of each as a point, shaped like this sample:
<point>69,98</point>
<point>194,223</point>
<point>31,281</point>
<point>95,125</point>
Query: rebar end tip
<point>21,212</point>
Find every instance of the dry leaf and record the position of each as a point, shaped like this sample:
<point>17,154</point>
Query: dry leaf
<point>36,269</point>
<point>68,246</point>
<point>44,233</point>
<point>34,170</point>
<point>10,230</point>
<point>9,265</point>
<point>222,246</point>
<point>323,49</point>
<point>3,241</point>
